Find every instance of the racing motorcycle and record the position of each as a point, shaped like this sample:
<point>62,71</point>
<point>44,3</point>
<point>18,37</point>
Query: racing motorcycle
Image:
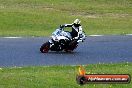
<point>62,41</point>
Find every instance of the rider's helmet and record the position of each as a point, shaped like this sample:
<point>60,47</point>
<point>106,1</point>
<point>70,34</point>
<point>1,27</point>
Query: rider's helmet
<point>76,23</point>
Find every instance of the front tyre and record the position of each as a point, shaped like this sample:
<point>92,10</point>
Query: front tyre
<point>45,47</point>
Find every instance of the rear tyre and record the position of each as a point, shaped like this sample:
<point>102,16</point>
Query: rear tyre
<point>67,50</point>
<point>72,45</point>
<point>45,47</point>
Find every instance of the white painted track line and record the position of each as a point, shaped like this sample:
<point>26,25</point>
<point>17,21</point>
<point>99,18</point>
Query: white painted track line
<point>33,36</point>
<point>12,37</point>
<point>128,34</point>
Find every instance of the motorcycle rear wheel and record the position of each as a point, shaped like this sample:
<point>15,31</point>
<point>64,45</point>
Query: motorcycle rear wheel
<point>72,45</point>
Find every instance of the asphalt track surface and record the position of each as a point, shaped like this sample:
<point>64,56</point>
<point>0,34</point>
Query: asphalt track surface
<point>99,49</point>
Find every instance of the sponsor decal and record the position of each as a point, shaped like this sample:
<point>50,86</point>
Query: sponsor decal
<point>83,78</point>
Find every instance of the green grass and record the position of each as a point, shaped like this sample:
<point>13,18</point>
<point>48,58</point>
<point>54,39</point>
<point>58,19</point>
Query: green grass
<point>42,17</point>
<point>59,76</point>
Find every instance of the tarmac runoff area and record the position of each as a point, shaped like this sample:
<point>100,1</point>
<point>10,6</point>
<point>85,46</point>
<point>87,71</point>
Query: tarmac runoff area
<point>24,51</point>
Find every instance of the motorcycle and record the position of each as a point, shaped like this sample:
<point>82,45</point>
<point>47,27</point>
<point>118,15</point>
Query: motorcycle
<point>62,41</point>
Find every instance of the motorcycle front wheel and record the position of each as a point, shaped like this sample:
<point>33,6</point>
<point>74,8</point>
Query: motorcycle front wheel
<point>45,47</point>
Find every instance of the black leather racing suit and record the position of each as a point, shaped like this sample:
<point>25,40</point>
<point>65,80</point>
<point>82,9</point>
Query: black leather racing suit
<point>75,29</point>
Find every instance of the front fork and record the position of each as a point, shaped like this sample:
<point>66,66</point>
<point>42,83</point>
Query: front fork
<point>51,43</point>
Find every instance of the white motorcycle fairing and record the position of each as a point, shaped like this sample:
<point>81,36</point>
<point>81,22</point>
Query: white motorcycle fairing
<point>60,35</point>
<point>62,40</point>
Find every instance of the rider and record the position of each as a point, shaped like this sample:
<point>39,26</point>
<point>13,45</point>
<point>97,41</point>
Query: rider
<point>76,28</point>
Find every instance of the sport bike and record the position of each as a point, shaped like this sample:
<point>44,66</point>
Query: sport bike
<point>62,41</point>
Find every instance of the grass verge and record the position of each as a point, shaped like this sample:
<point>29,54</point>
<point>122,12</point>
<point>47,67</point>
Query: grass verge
<point>59,76</point>
<point>42,17</point>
